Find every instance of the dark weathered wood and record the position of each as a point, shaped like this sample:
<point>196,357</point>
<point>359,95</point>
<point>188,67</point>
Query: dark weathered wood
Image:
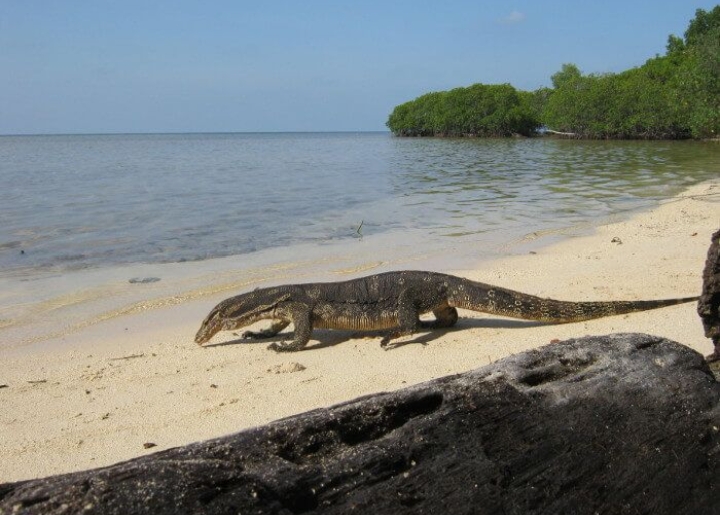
<point>709,303</point>
<point>615,424</point>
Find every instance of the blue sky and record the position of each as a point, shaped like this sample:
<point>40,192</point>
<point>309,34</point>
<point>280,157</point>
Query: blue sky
<point>225,66</point>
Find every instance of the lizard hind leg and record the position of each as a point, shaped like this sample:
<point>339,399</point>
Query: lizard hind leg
<point>444,317</point>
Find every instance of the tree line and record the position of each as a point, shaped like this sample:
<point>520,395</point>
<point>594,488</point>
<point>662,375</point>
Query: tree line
<point>673,96</point>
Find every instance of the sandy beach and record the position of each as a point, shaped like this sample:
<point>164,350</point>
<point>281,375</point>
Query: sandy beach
<point>136,383</point>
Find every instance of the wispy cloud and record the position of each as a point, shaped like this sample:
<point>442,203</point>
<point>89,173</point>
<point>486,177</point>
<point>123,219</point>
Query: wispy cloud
<point>514,17</point>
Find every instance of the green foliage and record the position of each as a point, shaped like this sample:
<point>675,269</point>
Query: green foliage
<point>637,103</point>
<point>703,23</point>
<point>672,96</point>
<point>568,76</point>
<point>697,84</point>
<point>675,45</point>
<point>478,110</point>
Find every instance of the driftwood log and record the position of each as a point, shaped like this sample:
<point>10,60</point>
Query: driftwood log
<point>560,133</point>
<point>616,424</point>
<point>709,303</point>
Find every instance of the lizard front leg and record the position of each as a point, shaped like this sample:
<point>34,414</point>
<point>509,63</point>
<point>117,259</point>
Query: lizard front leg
<point>271,331</point>
<point>300,315</point>
<point>408,314</point>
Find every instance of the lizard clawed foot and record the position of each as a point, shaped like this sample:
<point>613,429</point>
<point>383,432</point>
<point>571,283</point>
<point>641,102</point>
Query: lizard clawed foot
<point>283,347</point>
<point>387,340</point>
<point>386,343</point>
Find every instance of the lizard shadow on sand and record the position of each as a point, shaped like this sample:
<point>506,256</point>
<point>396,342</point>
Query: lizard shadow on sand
<point>425,336</point>
<point>322,338</point>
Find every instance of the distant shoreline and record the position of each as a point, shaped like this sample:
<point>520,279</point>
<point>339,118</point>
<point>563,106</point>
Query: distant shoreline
<point>171,133</point>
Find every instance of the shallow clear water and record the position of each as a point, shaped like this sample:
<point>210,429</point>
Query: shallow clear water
<point>79,202</point>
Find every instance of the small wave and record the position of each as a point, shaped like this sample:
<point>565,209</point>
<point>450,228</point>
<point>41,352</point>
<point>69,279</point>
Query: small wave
<point>11,245</point>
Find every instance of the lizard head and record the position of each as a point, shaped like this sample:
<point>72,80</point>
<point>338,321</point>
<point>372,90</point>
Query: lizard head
<point>239,311</point>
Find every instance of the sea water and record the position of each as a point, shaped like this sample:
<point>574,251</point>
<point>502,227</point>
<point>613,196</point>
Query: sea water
<point>78,202</point>
<point>83,215</point>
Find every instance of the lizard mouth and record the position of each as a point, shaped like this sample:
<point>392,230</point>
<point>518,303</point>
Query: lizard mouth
<point>209,328</point>
<point>204,335</point>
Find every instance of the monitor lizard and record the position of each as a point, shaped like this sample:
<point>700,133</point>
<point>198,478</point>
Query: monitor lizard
<point>393,302</point>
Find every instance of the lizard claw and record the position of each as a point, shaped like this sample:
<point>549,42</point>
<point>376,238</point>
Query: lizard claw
<point>282,347</point>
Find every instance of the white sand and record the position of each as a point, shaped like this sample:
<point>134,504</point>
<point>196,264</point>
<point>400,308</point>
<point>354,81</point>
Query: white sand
<point>95,393</point>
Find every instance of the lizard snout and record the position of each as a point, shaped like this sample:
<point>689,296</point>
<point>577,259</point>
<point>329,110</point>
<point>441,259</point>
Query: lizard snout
<point>204,334</point>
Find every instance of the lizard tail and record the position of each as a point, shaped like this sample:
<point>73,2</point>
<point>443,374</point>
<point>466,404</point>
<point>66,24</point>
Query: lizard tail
<point>504,302</point>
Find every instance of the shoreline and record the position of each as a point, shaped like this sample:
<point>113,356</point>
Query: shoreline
<point>54,309</point>
<point>103,392</point>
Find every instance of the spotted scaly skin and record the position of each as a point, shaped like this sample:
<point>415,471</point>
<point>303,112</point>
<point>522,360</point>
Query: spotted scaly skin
<point>394,302</point>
